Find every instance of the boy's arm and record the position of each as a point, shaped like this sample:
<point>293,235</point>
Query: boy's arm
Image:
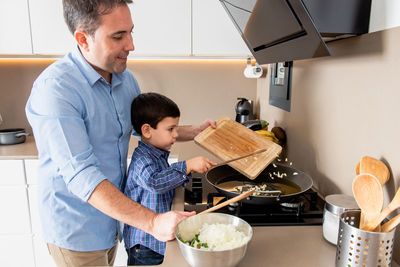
<point>148,177</point>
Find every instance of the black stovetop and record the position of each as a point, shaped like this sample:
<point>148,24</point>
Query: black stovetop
<point>306,209</point>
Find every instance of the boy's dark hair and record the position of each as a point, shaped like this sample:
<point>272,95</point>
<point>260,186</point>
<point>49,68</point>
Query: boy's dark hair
<point>151,108</point>
<point>85,14</point>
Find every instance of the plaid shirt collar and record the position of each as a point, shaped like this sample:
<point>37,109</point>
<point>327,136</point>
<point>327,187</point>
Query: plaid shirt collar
<point>158,153</point>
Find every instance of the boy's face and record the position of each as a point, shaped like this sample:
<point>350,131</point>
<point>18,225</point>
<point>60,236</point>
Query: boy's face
<point>164,136</point>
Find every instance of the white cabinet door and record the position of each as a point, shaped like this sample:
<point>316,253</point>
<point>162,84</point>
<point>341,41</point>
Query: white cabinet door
<point>50,34</point>
<point>14,211</point>
<point>12,172</point>
<point>213,31</point>
<point>122,257</point>
<point>161,27</point>
<point>31,166</point>
<point>34,210</point>
<point>16,251</point>
<point>42,256</point>
<point>14,27</point>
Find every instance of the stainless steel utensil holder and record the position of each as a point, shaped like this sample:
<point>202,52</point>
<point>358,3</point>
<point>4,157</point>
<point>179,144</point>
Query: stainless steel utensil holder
<point>356,247</point>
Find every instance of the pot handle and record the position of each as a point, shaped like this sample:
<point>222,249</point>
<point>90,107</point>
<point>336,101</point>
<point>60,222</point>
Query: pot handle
<point>22,134</point>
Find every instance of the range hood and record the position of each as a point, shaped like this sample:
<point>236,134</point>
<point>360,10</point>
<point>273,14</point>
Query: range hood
<point>287,30</point>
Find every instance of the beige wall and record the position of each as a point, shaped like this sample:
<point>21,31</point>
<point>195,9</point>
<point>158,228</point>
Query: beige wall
<point>344,107</point>
<point>203,89</point>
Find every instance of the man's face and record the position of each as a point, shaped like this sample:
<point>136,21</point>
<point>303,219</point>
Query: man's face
<point>109,48</point>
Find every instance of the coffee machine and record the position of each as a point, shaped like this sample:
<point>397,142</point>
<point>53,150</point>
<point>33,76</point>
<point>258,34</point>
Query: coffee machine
<point>244,110</point>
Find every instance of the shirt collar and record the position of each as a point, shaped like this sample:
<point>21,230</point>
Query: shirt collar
<point>91,75</point>
<point>159,153</point>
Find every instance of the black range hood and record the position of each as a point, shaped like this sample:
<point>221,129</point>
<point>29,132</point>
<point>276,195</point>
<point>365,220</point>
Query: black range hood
<point>287,30</point>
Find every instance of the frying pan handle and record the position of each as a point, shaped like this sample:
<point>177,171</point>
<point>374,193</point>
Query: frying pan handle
<point>21,134</point>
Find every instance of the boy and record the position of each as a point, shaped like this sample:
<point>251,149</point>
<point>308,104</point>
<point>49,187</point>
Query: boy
<point>151,180</point>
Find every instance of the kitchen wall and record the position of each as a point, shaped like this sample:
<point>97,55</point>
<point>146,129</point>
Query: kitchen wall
<point>344,107</point>
<point>202,88</point>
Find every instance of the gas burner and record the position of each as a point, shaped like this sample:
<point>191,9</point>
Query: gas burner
<point>292,205</point>
<point>306,209</point>
<point>233,206</point>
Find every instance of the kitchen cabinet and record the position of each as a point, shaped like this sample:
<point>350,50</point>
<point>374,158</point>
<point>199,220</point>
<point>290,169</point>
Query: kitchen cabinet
<point>16,251</point>
<point>12,172</point>
<point>31,166</point>
<point>213,31</point>
<point>15,219</point>
<point>161,27</point>
<point>384,15</point>
<point>14,27</point>
<point>50,34</point>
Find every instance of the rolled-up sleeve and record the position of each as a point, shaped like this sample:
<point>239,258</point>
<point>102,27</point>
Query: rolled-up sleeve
<point>56,115</point>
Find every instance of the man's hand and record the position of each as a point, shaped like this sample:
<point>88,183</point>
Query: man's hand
<point>163,224</point>
<point>204,125</point>
<point>187,133</point>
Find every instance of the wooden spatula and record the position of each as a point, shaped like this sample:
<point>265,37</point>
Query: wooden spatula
<point>394,204</point>
<point>229,201</point>
<point>391,224</point>
<point>368,194</point>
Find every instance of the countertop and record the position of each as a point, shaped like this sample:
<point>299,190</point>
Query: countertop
<point>27,150</point>
<point>271,246</point>
<point>298,246</point>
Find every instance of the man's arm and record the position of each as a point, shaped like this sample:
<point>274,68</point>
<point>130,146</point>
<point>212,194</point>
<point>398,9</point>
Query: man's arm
<point>187,133</point>
<point>109,200</point>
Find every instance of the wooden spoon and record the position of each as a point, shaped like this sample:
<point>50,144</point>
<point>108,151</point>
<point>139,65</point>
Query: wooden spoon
<point>375,167</point>
<point>390,225</point>
<point>394,204</point>
<point>358,168</point>
<point>368,194</point>
<point>229,201</point>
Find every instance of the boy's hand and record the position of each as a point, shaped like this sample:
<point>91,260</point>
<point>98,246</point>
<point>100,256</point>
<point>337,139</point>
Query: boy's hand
<point>199,164</point>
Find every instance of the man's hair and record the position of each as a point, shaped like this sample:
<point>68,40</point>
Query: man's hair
<point>85,14</point>
<point>151,108</point>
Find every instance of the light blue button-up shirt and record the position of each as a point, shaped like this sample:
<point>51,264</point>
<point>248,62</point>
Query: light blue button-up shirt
<point>82,128</point>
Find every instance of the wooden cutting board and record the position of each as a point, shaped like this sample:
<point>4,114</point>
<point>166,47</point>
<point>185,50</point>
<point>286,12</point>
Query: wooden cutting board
<point>231,140</point>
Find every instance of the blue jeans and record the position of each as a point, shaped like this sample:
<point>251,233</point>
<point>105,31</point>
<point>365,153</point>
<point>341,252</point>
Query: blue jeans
<point>141,255</point>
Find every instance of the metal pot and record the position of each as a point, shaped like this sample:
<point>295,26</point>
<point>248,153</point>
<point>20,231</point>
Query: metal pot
<point>225,173</point>
<point>12,136</point>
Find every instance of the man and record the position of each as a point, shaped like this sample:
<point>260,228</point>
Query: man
<point>79,112</point>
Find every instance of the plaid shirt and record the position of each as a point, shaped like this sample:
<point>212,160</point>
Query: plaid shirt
<point>151,182</point>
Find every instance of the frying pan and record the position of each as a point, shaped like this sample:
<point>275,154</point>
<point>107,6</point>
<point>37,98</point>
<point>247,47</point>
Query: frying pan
<point>12,136</point>
<point>225,173</point>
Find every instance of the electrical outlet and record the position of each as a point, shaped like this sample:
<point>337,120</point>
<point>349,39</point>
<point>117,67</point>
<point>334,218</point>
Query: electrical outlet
<point>281,85</point>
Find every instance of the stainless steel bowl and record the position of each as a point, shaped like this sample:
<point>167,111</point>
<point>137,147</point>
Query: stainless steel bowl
<point>187,228</point>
